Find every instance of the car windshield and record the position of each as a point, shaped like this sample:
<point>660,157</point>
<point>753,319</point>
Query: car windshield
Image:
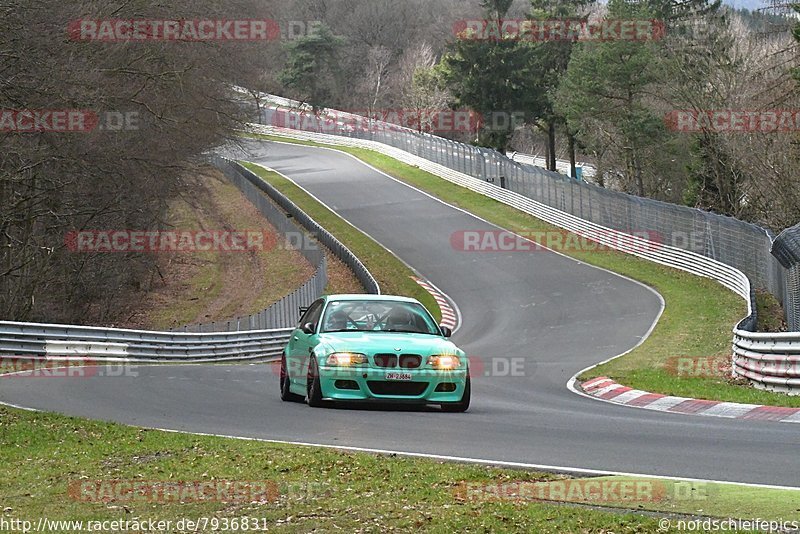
<point>378,316</point>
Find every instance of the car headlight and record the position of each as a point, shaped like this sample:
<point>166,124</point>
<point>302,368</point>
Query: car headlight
<point>346,359</point>
<point>444,361</point>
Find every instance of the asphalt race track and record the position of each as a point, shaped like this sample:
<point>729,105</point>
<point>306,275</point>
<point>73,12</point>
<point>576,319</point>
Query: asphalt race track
<point>559,315</point>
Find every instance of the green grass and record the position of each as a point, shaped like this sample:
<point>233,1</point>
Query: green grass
<point>770,313</point>
<point>697,321</point>
<point>205,283</point>
<point>393,276</point>
<point>208,288</point>
<point>315,488</point>
<point>718,500</point>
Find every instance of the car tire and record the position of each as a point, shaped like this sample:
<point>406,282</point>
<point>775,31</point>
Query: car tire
<point>463,404</point>
<point>286,393</point>
<point>313,386</point>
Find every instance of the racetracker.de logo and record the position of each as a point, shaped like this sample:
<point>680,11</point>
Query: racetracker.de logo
<point>187,491</point>
<point>88,241</point>
<point>479,367</point>
<point>558,240</point>
<point>559,30</point>
<point>585,490</point>
<point>699,366</point>
<point>48,120</point>
<point>430,120</point>
<point>75,367</point>
<point>140,30</point>
<point>66,120</point>
<point>734,121</point>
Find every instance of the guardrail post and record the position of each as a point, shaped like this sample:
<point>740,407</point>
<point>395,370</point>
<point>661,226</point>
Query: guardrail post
<point>793,304</point>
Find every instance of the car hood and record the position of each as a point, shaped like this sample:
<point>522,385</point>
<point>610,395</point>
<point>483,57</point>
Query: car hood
<point>382,342</point>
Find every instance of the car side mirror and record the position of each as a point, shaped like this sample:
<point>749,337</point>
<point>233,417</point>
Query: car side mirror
<point>308,328</point>
<point>446,331</point>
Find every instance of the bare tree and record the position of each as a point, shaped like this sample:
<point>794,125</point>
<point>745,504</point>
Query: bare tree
<point>52,183</point>
<point>421,92</point>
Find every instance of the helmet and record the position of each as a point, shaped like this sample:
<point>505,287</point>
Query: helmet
<point>337,320</point>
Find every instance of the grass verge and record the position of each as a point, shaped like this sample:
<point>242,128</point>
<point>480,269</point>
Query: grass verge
<point>205,286</point>
<point>770,313</point>
<point>696,323</point>
<point>45,458</point>
<point>393,276</point>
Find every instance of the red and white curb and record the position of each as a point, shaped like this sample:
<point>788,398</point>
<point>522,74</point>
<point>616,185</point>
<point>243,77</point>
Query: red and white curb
<point>606,389</point>
<point>449,314</point>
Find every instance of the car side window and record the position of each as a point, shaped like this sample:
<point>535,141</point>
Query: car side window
<point>313,313</point>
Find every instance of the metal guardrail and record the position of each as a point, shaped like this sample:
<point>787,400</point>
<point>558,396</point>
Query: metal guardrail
<point>563,166</point>
<point>318,232</point>
<point>275,206</point>
<point>786,249</point>
<point>766,360</point>
<point>65,342</point>
<point>739,244</point>
<point>772,360</point>
<point>282,313</point>
<point>87,344</point>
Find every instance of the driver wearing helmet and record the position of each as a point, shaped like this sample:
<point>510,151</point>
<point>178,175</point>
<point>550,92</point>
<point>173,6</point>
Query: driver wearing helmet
<point>337,321</point>
<point>401,319</point>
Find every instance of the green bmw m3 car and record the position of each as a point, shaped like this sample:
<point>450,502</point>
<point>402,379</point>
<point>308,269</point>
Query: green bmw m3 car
<point>361,348</point>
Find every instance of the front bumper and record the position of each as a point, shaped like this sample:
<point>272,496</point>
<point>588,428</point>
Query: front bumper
<point>371,384</point>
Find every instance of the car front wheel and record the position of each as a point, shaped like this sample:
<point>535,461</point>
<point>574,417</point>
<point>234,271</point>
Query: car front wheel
<point>463,404</point>
<point>313,387</point>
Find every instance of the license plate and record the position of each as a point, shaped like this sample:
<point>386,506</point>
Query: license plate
<point>406,377</point>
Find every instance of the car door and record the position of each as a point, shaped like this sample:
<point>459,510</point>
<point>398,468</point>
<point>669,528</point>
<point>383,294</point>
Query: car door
<point>301,343</point>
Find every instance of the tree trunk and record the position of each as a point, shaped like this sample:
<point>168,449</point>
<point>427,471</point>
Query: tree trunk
<point>637,169</point>
<point>551,145</point>
<point>572,165</point>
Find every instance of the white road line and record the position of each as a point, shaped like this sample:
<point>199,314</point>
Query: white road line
<point>792,418</point>
<point>481,461</point>
<point>465,212</point>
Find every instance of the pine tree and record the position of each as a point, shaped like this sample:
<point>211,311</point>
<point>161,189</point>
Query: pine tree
<point>491,76</point>
<point>312,67</point>
<point>606,83</point>
<point>552,59</point>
